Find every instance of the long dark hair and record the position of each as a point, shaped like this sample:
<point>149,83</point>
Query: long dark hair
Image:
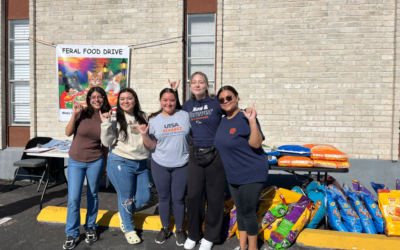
<point>139,115</point>
<point>166,90</point>
<point>106,105</point>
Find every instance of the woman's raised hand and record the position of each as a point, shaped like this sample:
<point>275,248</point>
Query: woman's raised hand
<point>77,110</point>
<point>105,115</point>
<point>144,129</point>
<point>174,85</point>
<point>252,114</point>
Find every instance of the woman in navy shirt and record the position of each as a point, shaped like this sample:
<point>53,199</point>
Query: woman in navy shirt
<point>238,141</point>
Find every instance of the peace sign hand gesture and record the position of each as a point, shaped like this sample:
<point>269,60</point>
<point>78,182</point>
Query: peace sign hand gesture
<point>174,85</point>
<point>106,115</point>
<point>144,129</point>
<point>252,115</point>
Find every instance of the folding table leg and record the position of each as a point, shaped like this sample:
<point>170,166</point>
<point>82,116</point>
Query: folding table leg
<point>40,181</point>
<point>63,173</point>
<point>47,182</point>
<point>15,176</point>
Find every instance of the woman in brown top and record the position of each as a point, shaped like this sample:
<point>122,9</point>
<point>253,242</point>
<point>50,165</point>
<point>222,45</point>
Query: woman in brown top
<point>86,158</point>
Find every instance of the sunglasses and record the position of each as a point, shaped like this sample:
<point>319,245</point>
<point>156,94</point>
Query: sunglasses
<point>228,98</point>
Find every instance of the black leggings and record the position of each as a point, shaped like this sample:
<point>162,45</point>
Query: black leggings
<point>170,184</point>
<point>246,199</point>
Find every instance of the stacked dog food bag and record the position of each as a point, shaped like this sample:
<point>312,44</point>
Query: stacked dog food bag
<point>327,156</point>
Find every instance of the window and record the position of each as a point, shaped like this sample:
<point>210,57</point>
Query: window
<point>18,73</point>
<point>201,47</point>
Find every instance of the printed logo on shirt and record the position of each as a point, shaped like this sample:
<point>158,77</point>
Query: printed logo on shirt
<point>232,131</point>
<point>171,127</point>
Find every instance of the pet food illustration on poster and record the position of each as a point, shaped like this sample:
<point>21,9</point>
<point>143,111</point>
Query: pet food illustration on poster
<point>82,67</point>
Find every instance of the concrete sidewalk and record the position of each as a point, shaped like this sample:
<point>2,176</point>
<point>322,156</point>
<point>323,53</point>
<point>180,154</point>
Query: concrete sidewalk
<point>23,231</point>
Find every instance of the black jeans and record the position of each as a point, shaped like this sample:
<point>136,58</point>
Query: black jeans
<point>212,178</point>
<point>246,200</point>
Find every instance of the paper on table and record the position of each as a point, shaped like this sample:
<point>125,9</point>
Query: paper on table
<point>37,150</point>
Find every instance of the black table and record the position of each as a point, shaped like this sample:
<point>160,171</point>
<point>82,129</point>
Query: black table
<point>293,170</point>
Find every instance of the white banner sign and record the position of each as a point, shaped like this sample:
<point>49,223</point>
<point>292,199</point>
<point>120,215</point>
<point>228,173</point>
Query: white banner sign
<point>81,67</point>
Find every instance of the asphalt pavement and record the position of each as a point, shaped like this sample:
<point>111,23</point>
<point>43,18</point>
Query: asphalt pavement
<point>23,231</point>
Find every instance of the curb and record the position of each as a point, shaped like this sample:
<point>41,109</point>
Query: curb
<point>105,218</point>
<point>342,240</point>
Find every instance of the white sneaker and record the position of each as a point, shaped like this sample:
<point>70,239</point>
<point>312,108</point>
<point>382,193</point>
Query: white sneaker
<point>189,244</point>
<point>205,244</point>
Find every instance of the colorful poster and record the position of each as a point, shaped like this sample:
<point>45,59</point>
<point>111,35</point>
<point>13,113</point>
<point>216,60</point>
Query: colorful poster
<point>81,67</point>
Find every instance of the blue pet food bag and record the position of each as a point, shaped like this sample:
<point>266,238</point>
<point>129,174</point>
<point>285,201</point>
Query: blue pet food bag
<point>373,210</point>
<point>349,217</point>
<point>298,190</point>
<point>367,223</point>
<point>358,186</point>
<point>377,186</point>
<point>294,150</point>
<point>316,193</point>
<point>334,216</point>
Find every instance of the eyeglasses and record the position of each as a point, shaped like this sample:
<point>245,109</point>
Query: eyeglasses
<point>96,97</point>
<point>228,98</point>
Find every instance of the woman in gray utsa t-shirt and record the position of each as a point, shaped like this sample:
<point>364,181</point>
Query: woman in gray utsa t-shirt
<point>167,136</point>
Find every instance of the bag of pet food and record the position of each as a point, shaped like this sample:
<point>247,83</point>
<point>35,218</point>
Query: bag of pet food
<point>267,218</point>
<point>272,159</point>
<point>334,217</point>
<point>295,161</point>
<point>349,216</point>
<point>294,150</point>
<point>332,155</point>
<point>342,164</point>
<point>332,181</point>
<point>319,146</point>
<point>298,190</point>
<point>292,224</point>
<point>266,234</point>
<point>316,193</point>
<point>272,206</point>
<point>271,197</point>
<point>290,196</point>
<point>373,210</point>
<point>358,186</point>
<point>324,164</point>
<point>377,186</point>
<point>389,204</point>
<point>367,223</point>
<point>232,223</point>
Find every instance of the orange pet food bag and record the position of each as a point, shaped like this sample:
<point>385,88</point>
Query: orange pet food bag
<point>295,161</point>
<point>333,155</point>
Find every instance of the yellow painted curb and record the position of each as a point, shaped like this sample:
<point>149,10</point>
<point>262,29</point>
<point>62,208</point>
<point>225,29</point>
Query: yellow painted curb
<point>342,240</point>
<point>104,218</point>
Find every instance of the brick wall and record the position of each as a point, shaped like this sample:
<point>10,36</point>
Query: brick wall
<point>105,22</point>
<point>3,126</point>
<point>318,71</point>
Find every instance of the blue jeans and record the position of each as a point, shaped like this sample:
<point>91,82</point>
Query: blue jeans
<point>76,175</point>
<point>130,179</point>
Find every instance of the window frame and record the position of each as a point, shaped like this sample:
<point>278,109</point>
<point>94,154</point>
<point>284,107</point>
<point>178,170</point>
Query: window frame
<point>187,58</point>
<point>11,72</point>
